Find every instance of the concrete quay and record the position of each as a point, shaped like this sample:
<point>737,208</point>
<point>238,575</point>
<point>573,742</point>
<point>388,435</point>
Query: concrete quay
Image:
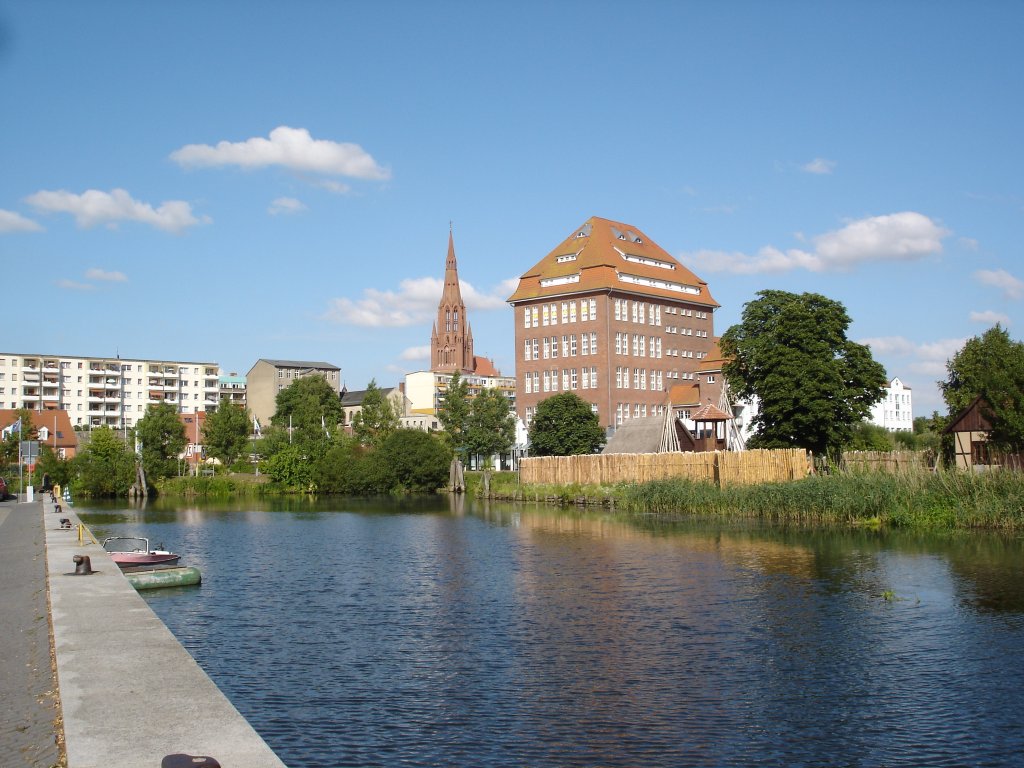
<point>130,694</point>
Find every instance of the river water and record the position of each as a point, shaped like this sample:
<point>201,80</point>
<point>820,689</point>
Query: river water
<point>425,633</point>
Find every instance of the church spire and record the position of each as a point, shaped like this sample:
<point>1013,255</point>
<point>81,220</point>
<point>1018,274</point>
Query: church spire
<point>451,342</point>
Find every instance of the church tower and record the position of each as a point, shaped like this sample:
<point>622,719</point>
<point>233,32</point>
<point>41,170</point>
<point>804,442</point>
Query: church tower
<point>451,341</point>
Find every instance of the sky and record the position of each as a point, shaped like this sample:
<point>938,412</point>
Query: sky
<point>229,181</point>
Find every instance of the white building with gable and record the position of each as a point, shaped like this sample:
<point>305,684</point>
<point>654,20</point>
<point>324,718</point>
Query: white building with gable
<point>895,411</point>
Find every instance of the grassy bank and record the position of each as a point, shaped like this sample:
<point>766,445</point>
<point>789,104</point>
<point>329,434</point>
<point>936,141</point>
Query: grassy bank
<point>920,499</point>
<point>219,486</point>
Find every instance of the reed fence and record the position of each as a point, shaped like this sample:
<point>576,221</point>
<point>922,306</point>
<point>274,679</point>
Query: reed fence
<point>719,467</point>
<point>892,462</point>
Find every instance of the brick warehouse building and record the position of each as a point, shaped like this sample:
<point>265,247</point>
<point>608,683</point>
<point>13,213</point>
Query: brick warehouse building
<point>609,315</point>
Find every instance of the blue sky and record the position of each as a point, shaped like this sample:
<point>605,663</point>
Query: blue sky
<point>230,181</point>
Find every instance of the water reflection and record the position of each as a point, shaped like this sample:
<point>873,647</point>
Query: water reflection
<point>449,632</point>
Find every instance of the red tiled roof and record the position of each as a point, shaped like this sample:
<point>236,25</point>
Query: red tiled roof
<point>601,251</point>
<point>484,367</point>
<point>709,412</point>
<point>65,433</point>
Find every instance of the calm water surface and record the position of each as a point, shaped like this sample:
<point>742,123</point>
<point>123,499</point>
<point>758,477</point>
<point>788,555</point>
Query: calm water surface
<point>358,633</point>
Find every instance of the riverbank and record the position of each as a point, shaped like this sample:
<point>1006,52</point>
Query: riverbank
<point>130,694</point>
<point>914,499</point>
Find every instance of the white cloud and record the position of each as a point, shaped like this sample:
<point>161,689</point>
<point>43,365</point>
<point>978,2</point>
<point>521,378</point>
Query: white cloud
<point>285,205</point>
<point>336,187</point>
<point>905,236</point>
<point>15,222</point>
<point>889,345</point>
<point>416,353</point>
<point>414,303</point>
<point>988,317</point>
<point>100,274</point>
<point>94,207</point>
<point>968,243</point>
<point>819,165</point>
<point>72,285</point>
<point>291,148</point>
<point>1012,287</point>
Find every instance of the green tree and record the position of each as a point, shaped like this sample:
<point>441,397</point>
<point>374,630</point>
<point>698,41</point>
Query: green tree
<point>491,427</point>
<point>870,437</point>
<point>226,432</point>
<point>376,418</point>
<point>291,466</point>
<point>50,465</point>
<point>813,385</point>
<point>162,436</point>
<point>990,366</point>
<point>311,408</point>
<point>9,446</point>
<point>565,425</point>
<point>453,414</point>
<point>104,467</point>
<point>419,460</point>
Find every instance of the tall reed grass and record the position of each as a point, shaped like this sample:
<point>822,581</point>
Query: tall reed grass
<point>914,499</point>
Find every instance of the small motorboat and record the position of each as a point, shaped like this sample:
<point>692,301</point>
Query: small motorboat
<point>135,552</point>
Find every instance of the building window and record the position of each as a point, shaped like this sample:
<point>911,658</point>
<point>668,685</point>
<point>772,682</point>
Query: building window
<point>572,345</point>
<point>593,379</point>
<point>585,344</point>
<point>593,309</point>
<point>572,311</point>
<point>574,380</point>
<point>554,346</point>
<point>547,348</point>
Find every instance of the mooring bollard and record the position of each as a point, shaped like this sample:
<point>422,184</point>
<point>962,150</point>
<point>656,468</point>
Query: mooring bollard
<point>65,523</point>
<point>83,565</point>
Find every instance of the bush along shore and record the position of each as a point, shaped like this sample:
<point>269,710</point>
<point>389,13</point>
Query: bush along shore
<point>915,499</point>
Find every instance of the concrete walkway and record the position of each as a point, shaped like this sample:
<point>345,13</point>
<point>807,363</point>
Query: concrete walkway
<point>28,707</point>
<point>131,695</point>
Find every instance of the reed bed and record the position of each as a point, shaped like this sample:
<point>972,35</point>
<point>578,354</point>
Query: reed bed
<point>911,499</point>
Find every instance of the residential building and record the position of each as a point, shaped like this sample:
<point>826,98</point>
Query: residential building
<point>105,391</point>
<point>895,411</point>
<point>268,377</point>
<point>611,316</point>
<point>53,429</point>
<point>232,389</point>
<point>352,403</point>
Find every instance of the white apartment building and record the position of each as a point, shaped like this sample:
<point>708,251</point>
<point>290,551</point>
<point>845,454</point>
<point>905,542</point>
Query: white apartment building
<point>895,411</point>
<point>105,391</point>
<point>425,390</point>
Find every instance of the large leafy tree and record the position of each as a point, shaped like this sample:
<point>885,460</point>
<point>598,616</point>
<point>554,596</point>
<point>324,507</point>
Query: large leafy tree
<point>162,436</point>
<point>564,425</point>
<point>992,366</point>
<point>105,467</point>
<point>226,432</point>
<point>376,418</point>
<point>814,385</point>
<point>491,426</point>
<point>310,408</point>
<point>453,414</point>
<point>419,460</point>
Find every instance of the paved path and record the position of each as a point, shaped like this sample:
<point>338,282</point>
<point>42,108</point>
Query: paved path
<point>131,695</point>
<point>28,703</point>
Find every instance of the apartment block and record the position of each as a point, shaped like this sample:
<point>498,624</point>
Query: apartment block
<point>610,315</point>
<point>104,391</point>
<point>268,377</point>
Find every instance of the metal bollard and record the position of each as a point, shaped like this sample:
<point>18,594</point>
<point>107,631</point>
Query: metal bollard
<point>65,522</point>
<point>83,565</point>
